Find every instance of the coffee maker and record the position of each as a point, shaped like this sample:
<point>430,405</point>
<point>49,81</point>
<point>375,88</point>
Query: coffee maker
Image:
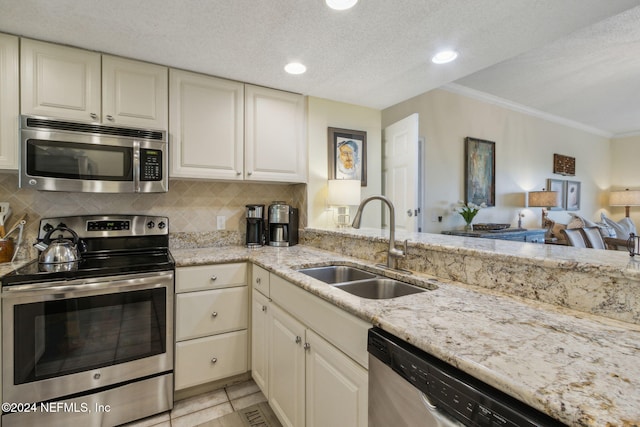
<point>283,225</point>
<point>255,225</point>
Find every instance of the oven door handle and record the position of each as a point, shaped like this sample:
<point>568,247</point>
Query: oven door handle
<point>102,285</point>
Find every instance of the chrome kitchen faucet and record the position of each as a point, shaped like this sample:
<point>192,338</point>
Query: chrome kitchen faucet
<point>393,253</point>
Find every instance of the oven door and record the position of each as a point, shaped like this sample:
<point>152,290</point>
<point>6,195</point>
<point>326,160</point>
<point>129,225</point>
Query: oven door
<point>71,337</point>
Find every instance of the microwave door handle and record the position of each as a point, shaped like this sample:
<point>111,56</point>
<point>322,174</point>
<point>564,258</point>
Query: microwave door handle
<point>136,166</point>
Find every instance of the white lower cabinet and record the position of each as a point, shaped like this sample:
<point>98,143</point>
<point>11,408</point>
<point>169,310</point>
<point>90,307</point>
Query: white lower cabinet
<point>336,386</point>
<point>311,380</point>
<point>212,317</point>
<point>260,321</point>
<point>286,368</point>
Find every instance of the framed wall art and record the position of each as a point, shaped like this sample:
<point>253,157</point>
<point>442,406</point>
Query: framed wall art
<point>348,154</point>
<point>564,165</point>
<point>572,196</point>
<point>559,186</point>
<point>480,176</point>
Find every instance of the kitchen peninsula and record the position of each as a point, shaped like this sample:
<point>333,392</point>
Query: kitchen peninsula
<point>555,327</point>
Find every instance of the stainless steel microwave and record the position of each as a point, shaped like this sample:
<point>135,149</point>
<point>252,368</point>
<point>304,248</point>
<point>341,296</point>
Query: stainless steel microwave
<point>58,155</point>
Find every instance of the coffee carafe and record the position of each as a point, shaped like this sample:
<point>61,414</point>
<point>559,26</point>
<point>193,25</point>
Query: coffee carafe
<point>283,225</point>
<point>255,225</point>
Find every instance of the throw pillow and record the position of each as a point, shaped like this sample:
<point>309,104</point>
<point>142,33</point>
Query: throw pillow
<point>622,228</point>
<point>581,222</point>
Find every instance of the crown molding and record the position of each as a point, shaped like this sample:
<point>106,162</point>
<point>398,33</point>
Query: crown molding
<point>510,105</point>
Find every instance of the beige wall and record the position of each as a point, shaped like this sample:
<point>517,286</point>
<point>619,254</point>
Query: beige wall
<point>625,158</point>
<point>322,114</point>
<point>524,158</point>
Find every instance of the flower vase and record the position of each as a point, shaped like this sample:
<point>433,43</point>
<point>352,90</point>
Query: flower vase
<point>468,227</point>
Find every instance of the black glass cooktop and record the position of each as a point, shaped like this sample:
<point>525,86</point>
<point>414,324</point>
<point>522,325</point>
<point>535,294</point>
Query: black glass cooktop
<point>94,265</point>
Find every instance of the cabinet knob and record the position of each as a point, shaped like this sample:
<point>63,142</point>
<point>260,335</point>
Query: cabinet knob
<point>214,278</point>
<point>258,280</point>
<point>109,117</point>
<point>307,346</point>
<point>298,340</point>
<point>214,360</point>
<point>264,308</point>
<point>238,173</point>
<point>214,314</point>
<point>93,116</point>
<point>249,173</point>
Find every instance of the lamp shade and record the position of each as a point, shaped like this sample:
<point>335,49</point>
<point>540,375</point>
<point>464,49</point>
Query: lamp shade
<point>624,198</point>
<point>344,192</point>
<point>542,199</point>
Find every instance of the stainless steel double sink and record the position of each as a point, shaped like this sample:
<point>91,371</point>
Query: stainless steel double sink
<point>361,283</point>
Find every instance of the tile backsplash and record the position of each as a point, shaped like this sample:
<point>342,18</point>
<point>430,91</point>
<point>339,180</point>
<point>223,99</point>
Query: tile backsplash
<point>192,206</point>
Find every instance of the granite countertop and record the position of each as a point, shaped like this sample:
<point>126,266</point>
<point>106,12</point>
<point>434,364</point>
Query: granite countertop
<point>579,368</point>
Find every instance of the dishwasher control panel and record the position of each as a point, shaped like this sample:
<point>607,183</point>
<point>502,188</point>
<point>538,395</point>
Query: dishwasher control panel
<point>451,391</point>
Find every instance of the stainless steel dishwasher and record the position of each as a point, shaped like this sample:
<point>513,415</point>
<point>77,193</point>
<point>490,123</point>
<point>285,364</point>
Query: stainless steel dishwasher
<point>408,387</point>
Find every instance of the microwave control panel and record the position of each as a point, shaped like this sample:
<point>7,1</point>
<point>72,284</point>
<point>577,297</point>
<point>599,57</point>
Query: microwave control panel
<point>150,165</point>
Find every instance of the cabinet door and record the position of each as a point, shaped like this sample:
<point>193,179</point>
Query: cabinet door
<point>211,312</point>
<point>134,93</point>
<point>60,81</point>
<point>336,386</point>
<point>276,145</point>
<point>286,368</point>
<point>9,102</point>
<point>260,321</point>
<point>206,126</point>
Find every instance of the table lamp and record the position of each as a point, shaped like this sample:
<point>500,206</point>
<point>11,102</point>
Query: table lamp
<point>625,198</point>
<point>343,193</point>
<point>543,199</point>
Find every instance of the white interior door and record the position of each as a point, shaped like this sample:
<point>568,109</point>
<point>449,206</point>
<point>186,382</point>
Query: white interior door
<point>401,172</point>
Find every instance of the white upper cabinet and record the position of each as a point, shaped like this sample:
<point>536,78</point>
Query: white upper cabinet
<point>9,102</point>
<point>206,127</point>
<point>60,81</point>
<point>71,83</point>
<point>222,129</point>
<point>275,142</point>
<point>134,93</point>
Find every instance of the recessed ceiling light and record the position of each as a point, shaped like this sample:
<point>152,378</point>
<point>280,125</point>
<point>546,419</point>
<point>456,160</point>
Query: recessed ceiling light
<point>341,4</point>
<point>444,57</point>
<point>295,68</point>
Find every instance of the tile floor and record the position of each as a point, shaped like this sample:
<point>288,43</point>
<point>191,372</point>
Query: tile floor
<point>206,407</point>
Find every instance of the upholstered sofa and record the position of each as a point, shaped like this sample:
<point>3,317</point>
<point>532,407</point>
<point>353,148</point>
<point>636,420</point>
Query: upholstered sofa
<point>615,234</point>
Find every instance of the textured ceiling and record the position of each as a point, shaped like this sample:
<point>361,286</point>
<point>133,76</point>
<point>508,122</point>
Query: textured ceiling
<point>376,54</point>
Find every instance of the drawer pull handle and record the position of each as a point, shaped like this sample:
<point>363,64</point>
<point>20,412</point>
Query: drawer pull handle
<point>298,340</point>
<point>214,314</point>
<point>214,360</point>
<point>214,278</point>
<point>264,308</point>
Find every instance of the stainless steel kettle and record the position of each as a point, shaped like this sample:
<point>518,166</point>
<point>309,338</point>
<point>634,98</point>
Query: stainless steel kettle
<point>60,254</point>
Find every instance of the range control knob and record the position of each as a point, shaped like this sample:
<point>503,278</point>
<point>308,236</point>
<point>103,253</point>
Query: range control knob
<point>161,225</point>
<point>47,227</point>
<point>151,224</point>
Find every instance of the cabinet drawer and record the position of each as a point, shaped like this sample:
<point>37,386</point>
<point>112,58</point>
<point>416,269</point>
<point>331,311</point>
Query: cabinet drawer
<point>211,312</point>
<point>202,360</point>
<point>260,280</point>
<point>210,277</point>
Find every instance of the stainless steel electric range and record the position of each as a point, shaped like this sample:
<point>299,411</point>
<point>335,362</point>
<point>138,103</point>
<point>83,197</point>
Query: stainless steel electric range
<point>91,343</point>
